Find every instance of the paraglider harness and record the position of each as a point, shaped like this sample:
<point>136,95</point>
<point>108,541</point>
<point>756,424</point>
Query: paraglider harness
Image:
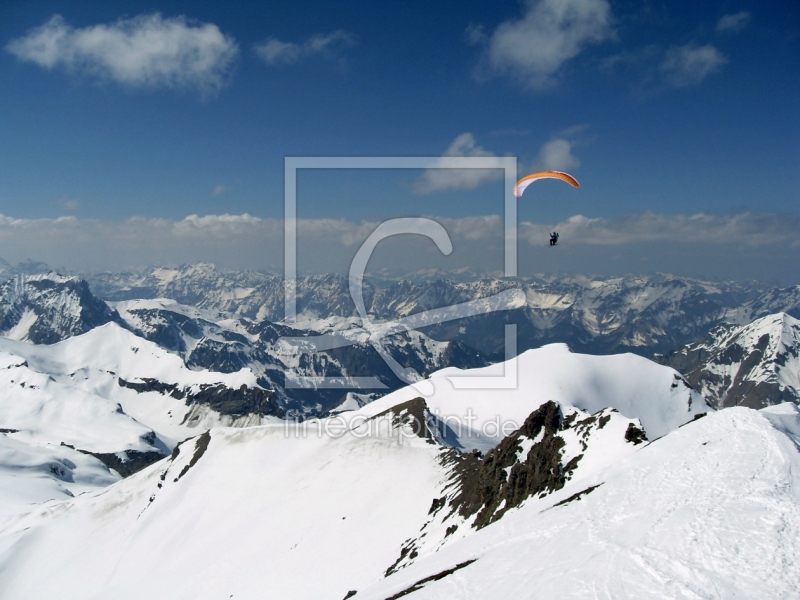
<point>554,238</point>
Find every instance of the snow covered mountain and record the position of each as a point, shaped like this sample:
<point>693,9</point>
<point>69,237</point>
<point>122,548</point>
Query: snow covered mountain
<point>227,343</point>
<point>26,267</point>
<point>642,314</point>
<point>605,482</point>
<point>105,400</point>
<point>48,308</point>
<point>201,285</point>
<point>770,302</point>
<point>754,365</point>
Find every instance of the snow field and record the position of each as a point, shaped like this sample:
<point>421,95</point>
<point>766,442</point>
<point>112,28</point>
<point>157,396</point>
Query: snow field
<point>254,517</point>
<point>635,386</point>
<point>710,511</point>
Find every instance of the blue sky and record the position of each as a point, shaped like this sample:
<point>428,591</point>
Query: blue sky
<point>158,111</point>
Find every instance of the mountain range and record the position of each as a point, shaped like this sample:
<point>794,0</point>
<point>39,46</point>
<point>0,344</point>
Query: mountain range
<point>225,320</point>
<point>641,314</point>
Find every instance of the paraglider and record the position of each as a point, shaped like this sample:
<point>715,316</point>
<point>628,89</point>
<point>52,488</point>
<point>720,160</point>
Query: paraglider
<point>523,183</point>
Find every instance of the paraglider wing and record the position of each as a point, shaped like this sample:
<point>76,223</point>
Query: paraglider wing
<point>529,179</point>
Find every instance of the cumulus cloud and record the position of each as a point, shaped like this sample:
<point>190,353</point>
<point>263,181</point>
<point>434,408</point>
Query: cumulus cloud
<point>439,177</point>
<point>551,32</point>
<point>275,52</point>
<point>556,155</point>
<point>733,23</point>
<point>144,51</point>
<point>691,64</point>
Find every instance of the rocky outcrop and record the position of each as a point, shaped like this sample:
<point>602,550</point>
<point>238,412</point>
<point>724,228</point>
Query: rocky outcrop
<point>218,397</point>
<point>503,480</point>
<point>130,461</point>
<point>49,308</point>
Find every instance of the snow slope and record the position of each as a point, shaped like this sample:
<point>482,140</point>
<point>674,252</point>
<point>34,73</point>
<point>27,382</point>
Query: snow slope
<point>34,473</point>
<point>60,401</point>
<point>709,511</point>
<point>44,410</point>
<point>638,388</point>
<point>249,512</point>
<point>85,371</point>
<point>257,513</point>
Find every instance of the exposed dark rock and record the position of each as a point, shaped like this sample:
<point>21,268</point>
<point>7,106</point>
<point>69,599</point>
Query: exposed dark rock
<point>635,435</point>
<point>404,552</point>
<point>421,583</point>
<point>227,401</point>
<point>165,327</point>
<point>199,449</point>
<point>414,414</point>
<point>487,491</point>
<point>577,496</point>
<point>64,307</point>
<point>437,505</point>
<point>134,460</point>
<point>148,384</point>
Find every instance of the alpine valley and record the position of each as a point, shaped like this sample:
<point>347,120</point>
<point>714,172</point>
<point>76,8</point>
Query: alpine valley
<point>161,437</point>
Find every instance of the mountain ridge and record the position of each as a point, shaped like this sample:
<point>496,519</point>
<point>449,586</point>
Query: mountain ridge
<point>754,365</point>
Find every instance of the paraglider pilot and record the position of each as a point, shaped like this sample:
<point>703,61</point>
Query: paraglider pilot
<point>554,238</point>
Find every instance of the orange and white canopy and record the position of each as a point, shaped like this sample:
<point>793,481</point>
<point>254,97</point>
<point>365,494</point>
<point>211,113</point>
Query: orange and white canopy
<point>529,179</point>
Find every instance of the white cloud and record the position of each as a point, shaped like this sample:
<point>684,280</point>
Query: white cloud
<point>550,33</point>
<point>219,189</point>
<point>733,23</point>
<point>556,155</point>
<point>219,226</point>
<point>144,51</point>
<point>439,177</point>
<point>691,64</point>
<point>275,52</point>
